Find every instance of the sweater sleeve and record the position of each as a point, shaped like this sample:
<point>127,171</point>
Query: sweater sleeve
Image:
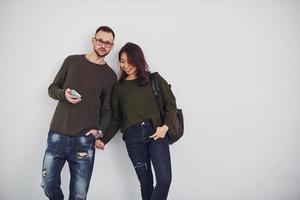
<point>169,101</point>
<point>116,118</point>
<point>105,112</point>
<point>55,90</point>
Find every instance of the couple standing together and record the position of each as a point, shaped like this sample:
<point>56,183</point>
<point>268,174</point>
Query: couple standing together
<point>88,121</point>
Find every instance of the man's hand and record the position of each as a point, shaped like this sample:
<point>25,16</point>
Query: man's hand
<point>94,132</point>
<point>99,144</point>
<point>71,98</point>
<point>160,132</point>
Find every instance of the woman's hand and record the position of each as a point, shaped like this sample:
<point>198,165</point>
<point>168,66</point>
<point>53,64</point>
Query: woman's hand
<point>99,144</point>
<point>160,132</point>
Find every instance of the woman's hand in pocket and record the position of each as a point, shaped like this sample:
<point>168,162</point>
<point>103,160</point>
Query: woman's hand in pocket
<point>161,132</point>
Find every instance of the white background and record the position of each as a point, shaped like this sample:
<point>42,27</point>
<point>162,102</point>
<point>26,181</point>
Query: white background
<point>234,68</point>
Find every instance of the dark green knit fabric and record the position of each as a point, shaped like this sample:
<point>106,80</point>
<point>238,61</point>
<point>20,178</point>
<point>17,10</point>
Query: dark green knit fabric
<point>94,83</point>
<point>133,103</point>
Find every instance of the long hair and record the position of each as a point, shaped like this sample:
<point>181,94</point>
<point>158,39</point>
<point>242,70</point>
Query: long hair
<point>136,56</point>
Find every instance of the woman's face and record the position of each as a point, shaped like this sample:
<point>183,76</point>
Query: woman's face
<point>127,67</point>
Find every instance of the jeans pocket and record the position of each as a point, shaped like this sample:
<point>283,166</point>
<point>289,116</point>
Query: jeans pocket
<point>86,140</point>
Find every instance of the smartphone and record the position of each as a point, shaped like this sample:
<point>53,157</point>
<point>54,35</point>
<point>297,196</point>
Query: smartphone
<point>76,94</point>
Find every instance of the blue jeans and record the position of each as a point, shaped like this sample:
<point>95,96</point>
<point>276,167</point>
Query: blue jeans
<point>79,153</point>
<point>142,151</point>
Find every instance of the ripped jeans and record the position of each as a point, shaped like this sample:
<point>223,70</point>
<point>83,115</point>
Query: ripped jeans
<point>79,153</point>
<point>143,150</point>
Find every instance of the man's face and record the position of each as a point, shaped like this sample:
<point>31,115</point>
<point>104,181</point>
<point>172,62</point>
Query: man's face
<point>103,43</point>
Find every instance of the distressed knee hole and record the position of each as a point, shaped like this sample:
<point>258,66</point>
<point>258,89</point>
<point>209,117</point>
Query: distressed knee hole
<point>82,155</point>
<point>140,165</point>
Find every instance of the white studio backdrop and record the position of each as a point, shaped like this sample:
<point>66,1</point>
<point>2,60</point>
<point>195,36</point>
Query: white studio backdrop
<point>234,67</point>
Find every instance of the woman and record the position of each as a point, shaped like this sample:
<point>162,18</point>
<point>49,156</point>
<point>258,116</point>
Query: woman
<point>136,112</point>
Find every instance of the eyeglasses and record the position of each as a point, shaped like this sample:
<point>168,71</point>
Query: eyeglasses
<point>107,44</point>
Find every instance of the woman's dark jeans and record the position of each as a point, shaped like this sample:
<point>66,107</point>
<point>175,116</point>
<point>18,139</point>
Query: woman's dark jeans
<point>143,150</point>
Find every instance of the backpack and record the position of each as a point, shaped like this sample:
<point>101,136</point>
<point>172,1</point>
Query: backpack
<point>176,130</point>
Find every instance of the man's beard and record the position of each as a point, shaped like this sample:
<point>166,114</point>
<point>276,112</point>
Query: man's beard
<point>99,55</point>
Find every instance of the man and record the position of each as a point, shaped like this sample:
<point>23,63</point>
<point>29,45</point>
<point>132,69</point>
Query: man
<point>82,88</point>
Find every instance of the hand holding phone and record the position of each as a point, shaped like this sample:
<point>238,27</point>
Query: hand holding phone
<point>71,97</point>
<point>76,94</point>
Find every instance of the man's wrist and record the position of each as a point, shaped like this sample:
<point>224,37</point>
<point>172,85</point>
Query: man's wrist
<point>99,134</point>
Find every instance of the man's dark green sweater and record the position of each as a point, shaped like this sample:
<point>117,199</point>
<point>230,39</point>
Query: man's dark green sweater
<point>94,83</point>
<point>133,103</point>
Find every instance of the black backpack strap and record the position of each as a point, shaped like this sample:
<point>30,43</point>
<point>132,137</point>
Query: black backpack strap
<point>153,81</point>
<point>157,94</point>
